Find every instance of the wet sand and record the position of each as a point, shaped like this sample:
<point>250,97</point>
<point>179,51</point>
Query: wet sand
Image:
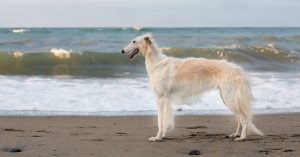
<point>127,136</point>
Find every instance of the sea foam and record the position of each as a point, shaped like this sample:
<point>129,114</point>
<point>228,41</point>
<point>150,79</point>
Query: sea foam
<point>22,30</point>
<point>61,53</point>
<point>17,54</point>
<point>272,92</point>
<point>137,28</point>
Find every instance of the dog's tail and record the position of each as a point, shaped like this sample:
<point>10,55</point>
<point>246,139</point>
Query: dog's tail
<point>252,128</point>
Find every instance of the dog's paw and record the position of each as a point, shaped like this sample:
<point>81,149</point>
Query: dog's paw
<point>164,134</point>
<point>239,139</point>
<point>153,139</point>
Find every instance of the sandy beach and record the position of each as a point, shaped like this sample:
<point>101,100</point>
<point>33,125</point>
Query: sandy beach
<point>127,136</point>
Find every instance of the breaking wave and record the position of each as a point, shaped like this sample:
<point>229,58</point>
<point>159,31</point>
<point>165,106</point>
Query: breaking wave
<point>240,54</point>
<point>99,64</point>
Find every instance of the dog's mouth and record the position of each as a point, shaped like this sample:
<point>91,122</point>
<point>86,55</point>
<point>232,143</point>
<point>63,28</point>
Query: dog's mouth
<point>133,53</point>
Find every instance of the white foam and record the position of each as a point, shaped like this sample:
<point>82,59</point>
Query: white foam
<point>165,48</point>
<point>22,30</point>
<point>61,53</point>
<point>220,53</point>
<point>272,92</point>
<point>233,46</point>
<point>137,28</point>
<point>17,54</point>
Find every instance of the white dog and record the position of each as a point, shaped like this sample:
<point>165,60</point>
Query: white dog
<point>177,81</point>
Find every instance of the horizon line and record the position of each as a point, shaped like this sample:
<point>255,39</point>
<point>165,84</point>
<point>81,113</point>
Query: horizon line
<point>150,26</point>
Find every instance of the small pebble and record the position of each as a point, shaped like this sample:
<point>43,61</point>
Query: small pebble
<point>194,152</point>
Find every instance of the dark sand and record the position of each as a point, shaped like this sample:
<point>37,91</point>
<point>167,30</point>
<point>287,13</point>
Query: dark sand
<point>127,137</point>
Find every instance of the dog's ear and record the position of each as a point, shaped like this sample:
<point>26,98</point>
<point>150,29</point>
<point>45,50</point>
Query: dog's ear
<point>148,38</point>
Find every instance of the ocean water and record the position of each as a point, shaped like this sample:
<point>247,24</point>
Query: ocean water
<point>80,71</point>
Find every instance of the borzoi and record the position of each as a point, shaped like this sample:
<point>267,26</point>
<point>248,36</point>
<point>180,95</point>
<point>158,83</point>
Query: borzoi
<point>177,81</point>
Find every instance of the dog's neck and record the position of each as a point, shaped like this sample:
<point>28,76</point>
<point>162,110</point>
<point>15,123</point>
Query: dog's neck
<point>153,56</point>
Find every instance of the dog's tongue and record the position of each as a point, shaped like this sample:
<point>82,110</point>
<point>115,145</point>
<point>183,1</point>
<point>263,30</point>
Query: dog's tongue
<point>133,54</point>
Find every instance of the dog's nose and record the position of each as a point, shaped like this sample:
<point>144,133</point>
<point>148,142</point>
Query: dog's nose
<point>123,51</point>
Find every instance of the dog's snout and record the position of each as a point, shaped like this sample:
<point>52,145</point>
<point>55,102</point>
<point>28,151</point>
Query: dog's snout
<point>123,51</point>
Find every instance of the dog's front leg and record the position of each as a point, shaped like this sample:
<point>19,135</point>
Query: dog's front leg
<point>168,119</point>
<point>160,111</point>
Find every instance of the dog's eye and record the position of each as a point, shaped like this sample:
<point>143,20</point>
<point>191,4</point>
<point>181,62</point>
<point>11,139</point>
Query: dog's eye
<point>133,41</point>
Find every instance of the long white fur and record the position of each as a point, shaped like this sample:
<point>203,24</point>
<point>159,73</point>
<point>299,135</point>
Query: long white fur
<point>176,81</point>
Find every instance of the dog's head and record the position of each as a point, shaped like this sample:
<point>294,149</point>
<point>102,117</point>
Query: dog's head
<point>139,44</point>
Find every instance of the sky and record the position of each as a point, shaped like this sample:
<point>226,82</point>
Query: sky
<point>149,13</point>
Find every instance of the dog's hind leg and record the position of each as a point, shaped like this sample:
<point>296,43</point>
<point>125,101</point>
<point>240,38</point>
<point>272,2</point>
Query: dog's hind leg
<point>238,129</point>
<point>231,100</point>
<point>247,126</point>
<point>244,122</point>
<point>160,111</point>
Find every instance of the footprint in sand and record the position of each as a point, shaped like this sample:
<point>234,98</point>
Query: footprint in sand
<point>83,133</point>
<point>121,134</point>
<point>88,127</point>
<point>12,150</point>
<point>93,140</point>
<point>45,131</point>
<point>13,130</point>
<point>197,127</point>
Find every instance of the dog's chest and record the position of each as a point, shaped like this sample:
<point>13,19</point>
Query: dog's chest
<point>161,82</point>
